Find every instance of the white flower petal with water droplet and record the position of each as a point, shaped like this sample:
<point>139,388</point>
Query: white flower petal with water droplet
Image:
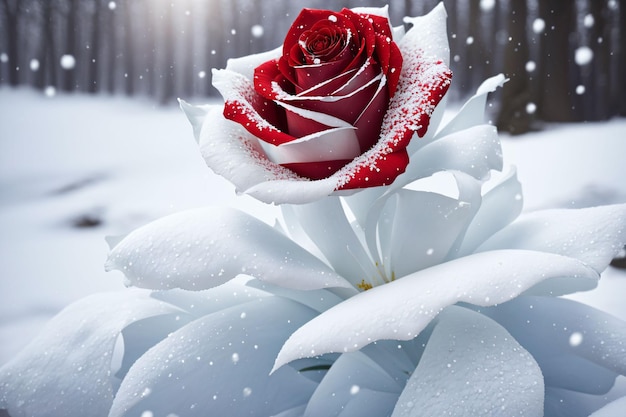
<point>203,248</point>
<point>401,309</point>
<point>471,367</point>
<point>593,235</point>
<point>66,369</point>
<point>219,365</point>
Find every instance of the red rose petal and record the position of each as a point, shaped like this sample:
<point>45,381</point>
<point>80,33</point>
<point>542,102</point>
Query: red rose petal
<point>244,105</point>
<point>386,170</point>
<point>423,83</point>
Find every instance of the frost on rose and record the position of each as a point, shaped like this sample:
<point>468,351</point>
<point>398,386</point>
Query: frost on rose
<point>391,300</point>
<point>333,109</point>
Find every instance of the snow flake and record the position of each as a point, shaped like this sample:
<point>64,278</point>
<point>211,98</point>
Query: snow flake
<point>68,62</point>
<point>257,31</point>
<point>583,55</point>
<point>539,25</point>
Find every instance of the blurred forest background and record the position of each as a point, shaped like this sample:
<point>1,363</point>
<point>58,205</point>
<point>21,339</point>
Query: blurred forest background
<point>566,59</point>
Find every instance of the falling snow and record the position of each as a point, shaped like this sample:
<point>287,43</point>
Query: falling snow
<point>580,89</point>
<point>68,62</point>
<point>583,55</point>
<point>539,25</point>
<point>257,31</point>
<point>112,5</point>
<point>50,91</point>
<point>34,64</point>
<point>487,5</point>
<point>531,66</point>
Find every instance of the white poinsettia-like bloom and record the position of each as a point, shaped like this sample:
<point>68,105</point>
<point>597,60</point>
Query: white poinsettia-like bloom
<point>392,301</point>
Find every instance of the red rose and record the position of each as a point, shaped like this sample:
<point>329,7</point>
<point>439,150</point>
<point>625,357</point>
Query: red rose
<point>338,103</point>
<point>343,65</point>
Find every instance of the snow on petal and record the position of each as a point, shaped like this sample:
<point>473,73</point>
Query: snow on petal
<point>235,154</point>
<point>593,235</point>
<point>203,248</point>
<point>561,333</point>
<point>429,33</point>
<point>424,80</point>
<point>401,309</point>
<point>220,362</point>
<point>471,366</point>
<point>66,369</point>
<point>292,192</point>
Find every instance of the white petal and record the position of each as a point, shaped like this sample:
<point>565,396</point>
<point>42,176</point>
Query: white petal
<point>499,207</point>
<point>429,33</point>
<point>472,367</point>
<point>473,111</point>
<point>292,191</point>
<point>245,65</point>
<point>356,385</point>
<point>419,229</point>
<point>375,11</point>
<point>327,145</point>
<point>401,309</point>
<point>561,333</point>
<point>219,364</point>
<point>196,115</point>
<point>612,409</point>
<point>325,223</point>
<point>593,235</point>
<point>66,369</point>
<point>203,248</point>
<point>235,154</point>
<point>475,151</point>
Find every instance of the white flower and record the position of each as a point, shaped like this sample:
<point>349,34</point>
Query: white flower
<point>390,301</point>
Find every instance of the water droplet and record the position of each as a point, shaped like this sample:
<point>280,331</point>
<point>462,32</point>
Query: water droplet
<point>575,339</point>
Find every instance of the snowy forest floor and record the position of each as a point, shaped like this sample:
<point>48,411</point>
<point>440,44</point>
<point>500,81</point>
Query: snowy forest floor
<point>74,169</point>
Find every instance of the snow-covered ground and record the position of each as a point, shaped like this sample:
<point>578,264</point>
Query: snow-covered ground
<point>74,169</point>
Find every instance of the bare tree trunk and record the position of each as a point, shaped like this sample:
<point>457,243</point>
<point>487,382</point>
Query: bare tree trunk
<point>45,51</point>
<point>621,87</point>
<point>555,104</point>
<point>597,77</point>
<point>166,71</point>
<point>514,117</point>
<point>68,78</point>
<point>12,14</point>
<point>93,82</point>
<point>129,50</point>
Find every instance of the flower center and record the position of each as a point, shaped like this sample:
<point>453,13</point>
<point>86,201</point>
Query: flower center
<point>322,43</point>
<point>379,279</point>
